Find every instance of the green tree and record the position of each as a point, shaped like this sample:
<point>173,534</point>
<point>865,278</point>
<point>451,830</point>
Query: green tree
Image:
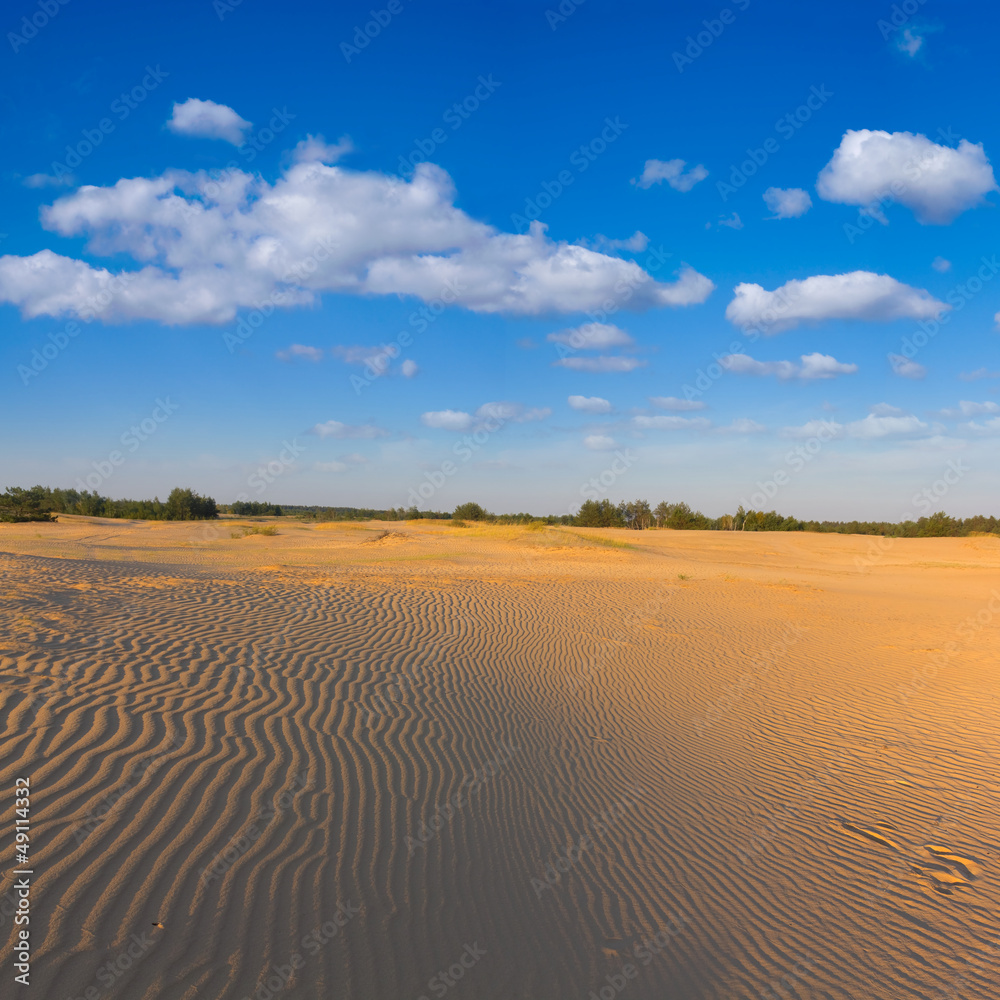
<point>469,512</point>
<point>17,504</point>
<point>186,505</point>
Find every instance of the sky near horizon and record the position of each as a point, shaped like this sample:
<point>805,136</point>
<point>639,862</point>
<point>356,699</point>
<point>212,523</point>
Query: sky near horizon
<point>384,253</point>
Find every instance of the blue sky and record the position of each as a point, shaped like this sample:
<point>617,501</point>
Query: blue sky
<point>761,269</point>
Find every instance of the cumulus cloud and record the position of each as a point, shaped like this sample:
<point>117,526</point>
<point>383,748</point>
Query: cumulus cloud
<point>315,149</point>
<point>592,337</point>
<point>906,367</point>
<point>731,221</point>
<point>787,203</point>
<point>489,416</point>
<point>300,351</point>
<point>676,404</point>
<point>671,171</point>
<point>636,243</point>
<point>600,364</point>
<point>874,426</point>
<point>811,366</point>
<point>409,368</point>
<point>857,295</point>
<point>941,265</point>
<point>447,420</point>
<point>207,120</point>
<point>968,408</point>
<point>887,410</point>
<point>664,423</point>
<point>823,429</point>
<point>937,182</point>
<point>589,404</point>
<point>991,426</point>
<point>599,442</point>
<point>341,431</point>
<point>206,247</point>
<point>976,375</point>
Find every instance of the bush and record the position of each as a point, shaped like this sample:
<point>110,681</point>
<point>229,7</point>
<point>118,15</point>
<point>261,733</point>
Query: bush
<point>469,512</point>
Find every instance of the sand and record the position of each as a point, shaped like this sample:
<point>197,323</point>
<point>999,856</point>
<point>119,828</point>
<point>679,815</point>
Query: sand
<point>413,760</point>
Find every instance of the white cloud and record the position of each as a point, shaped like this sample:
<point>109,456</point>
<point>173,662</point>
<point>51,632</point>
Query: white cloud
<point>600,364</point>
<point>447,420</point>
<point>858,295</point>
<point>968,408</point>
<point>336,429</point>
<point>590,404</point>
<point>744,425</point>
<point>978,374</point>
<point>207,120</point>
<point>731,221</point>
<point>671,171</point>
<point>909,42</point>
<point>937,182</point>
<point>874,426</point>
<point>599,442</point>
<point>787,203</point>
<point>996,319</point>
<point>812,366</point>
<point>489,416</point>
<point>664,423</point>
<point>409,368</point>
<point>636,243</point>
<point>906,367</point>
<point>676,404</point>
<point>300,351</point>
<point>315,149</point>
<point>65,179</point>
<point>887,410</point>
<point>991,426</point>
<point>941,264</point>
<point>207,247</point>
<point>592,337</point>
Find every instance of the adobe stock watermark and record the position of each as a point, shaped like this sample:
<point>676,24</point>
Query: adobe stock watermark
<point>455,116</point>
<point>912,171</point>
<point>958,297</point>
<point>30,26</point>
<point>760,666</point>
<point>242,841</point>
<point>796,460</point>
<point>279,977</point>
<point>786,127</point>
<point>365,33</point>
<point>61,339</point>
<point>594,830</point>
<point>900,14</point>
<point>925,500</point>
<point>598,486</point>
<point>447,978</point>
<point>644,951</point>
<point>131,440</point>
<point>470,785</point>
<point>378,363</point>
<point>265,475</point>
<point>262,311</point>
<point>713,29</point>
<point>581,158</point>
<point>121,107</point>
<point>562,13</point>
<point>967,629</point>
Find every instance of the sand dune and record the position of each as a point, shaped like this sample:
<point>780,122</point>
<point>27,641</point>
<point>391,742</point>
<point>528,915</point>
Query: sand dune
<point>413,760</point>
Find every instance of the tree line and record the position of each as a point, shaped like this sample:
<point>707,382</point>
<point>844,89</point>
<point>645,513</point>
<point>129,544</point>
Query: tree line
<point>40,503</point>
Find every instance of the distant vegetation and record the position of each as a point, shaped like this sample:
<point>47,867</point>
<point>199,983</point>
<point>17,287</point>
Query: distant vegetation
<point>181,505</point>
<point>40,503</point>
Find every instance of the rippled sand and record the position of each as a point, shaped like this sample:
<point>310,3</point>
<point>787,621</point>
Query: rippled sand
<point>405,760</point>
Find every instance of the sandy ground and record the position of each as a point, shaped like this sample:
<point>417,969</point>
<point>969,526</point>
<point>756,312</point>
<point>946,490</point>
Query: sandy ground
<point>410,760</point>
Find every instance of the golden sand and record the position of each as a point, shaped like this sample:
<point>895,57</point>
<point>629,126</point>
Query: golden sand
<point>349,759</point>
